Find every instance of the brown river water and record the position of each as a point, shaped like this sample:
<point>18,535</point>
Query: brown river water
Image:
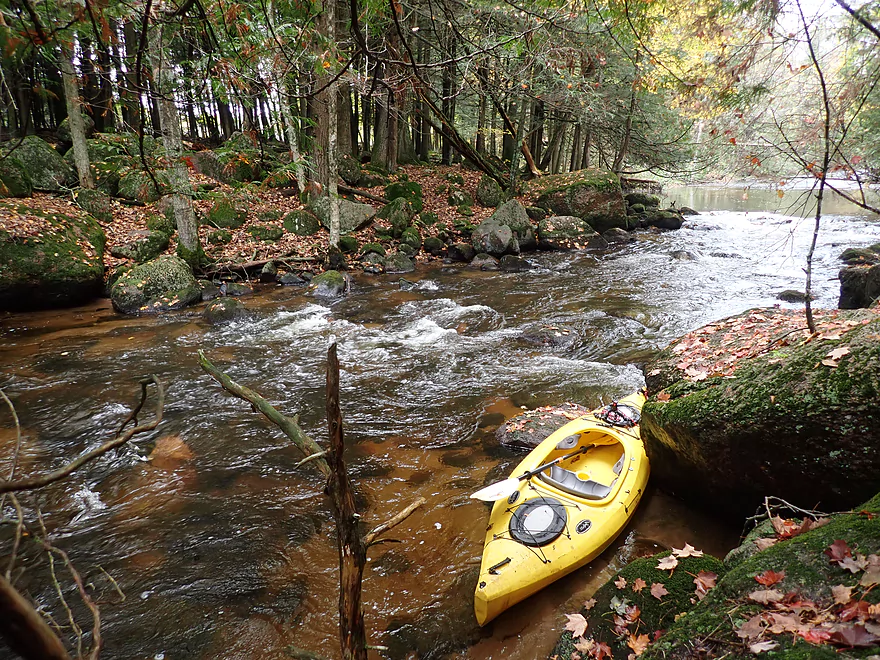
<point>224,550</point>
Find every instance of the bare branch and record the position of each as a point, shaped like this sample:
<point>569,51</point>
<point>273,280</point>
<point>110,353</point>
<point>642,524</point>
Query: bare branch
<point>394,521</point>
<point>33,483</point>
<point>26,632</point>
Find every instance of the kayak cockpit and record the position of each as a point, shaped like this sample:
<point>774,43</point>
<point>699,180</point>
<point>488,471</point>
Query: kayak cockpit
<point>592,475</point>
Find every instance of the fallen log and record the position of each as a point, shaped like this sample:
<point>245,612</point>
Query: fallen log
<point>243,268</point>
<point>361,193</point>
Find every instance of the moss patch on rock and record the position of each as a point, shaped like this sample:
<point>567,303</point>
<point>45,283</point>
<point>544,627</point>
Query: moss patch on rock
<point>265,232</point>
<point>45,166</point>
<point>62,265</point>
<point>301,223</point>
<point>161,285</point>
<point>226,213</point>
<point>14,179</point>
<point>593,195</point>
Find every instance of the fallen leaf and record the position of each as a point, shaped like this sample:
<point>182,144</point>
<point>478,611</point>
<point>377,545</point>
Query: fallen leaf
<point>663,396</point>
<point>842,595</point>
<point>620,583</point>
<point>763,544</point>
<point>768,645</point>
<point>833,357</point>
<point>815,635</point>
<point>766,596</point>
<point>638,643</point>
<point>687,551</point>
<point>658,590</point>
<point>577,624</point>
<point>589,604</point>
<point>838,551</point>
<point>668,563</point>
<point>854,564</point>
<point>751,629</point>
<point>638,585</point>
<point>854,636</point>
<point>780,623</point>
<point>705,581</point>
<point>585,645</point>
<point>769,577</point>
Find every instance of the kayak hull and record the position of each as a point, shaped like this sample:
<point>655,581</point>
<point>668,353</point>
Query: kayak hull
<point>583,503</point>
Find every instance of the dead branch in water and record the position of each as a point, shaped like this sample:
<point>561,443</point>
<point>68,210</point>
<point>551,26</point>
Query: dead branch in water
<point>352,543</point>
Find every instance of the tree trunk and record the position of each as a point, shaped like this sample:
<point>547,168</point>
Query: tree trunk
<point>76,121</point>
<point>129,92</point>
<point>588,142</point>
<point>575,163</point>
<point>180,199</point>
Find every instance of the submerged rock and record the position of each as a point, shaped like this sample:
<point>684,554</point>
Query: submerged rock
<point>795,422</point>
<point>225,310</point>
<point>526,431</point>
<point>161,285</point>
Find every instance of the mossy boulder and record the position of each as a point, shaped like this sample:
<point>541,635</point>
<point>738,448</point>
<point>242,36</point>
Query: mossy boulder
<point>593,195</point>
<point>434,246</point>
<point>664,219</point>
<point>399,263</point>
<point>458,198</point>
<point>642,199</point>
<point>348,244</point>
<point>791,422</point>
<point>145,246</point>
<point>161,285</point>
<point>137,186</point>
<point>225,310</point>
<point>399,214</point>
<point>461,252</point>
<point>373,247</point>
<point>853,256</point>
<point>226,213</point>
<point>301,223</point>
<point>513,214</point>
<point>373,263</point>
<point>219,237</point>
<point>567,232</point>
<point>330,284</point>
<point>625,606</point>
<point>411,237</point>
<point>14,179</point>
<point>372,180</point>
<point>493,238</point>
<point>96,203</point>
<point>62,266</point>
<point>352,215</point>
<point>44,165</point>
<point>265,232</point>
<point>408,190</point>
<point>802,594</point>
<point>161,222</point>
<point>350,170</point>
<point>488,192</point>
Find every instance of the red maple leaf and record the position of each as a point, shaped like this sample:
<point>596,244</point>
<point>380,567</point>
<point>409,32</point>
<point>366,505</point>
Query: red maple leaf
<point>769,577</point>
<point>838,551</point>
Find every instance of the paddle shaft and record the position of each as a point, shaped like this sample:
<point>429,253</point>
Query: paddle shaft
<point>541,468</point>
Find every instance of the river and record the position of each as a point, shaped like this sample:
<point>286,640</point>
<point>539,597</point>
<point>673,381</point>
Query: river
<point>224,550</point>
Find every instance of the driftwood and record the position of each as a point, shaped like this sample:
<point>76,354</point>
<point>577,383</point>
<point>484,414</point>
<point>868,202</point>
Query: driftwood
<point>361,193</point>
<point>246,266</point>
<point>352,543</point>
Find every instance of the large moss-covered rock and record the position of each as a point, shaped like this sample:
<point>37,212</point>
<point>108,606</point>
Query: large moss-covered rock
<point>62,265</point>
<point>45,166</point>
<point>495,239</point>
<point>265,232</point>
<point>513,214</point>
<point>488,191</point>
<point>795,422</point>
<point>161,285</point>
<point>399,263</point>
<point>408,190</point>
<point>226,213</point>
<point>113,154</point>
<point>145,246</point>
<point>803,604</point>
<point>352,215</point>
<point>301,223</point>
<point>225,310</point>
<point>625,608</point>
<point>63,130</point>
<point>137,186</point>
<point>399,214</point>
<point>593,195</point>
<point>96,203</point>
<point>14,179</point>
<point>567,232</point>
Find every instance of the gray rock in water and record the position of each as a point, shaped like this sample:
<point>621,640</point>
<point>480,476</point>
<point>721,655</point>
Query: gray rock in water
<point>495,239</point>
<point>859,286</point>
<point>664,220</point>
<point>225,310</point>
<point>236,289</point>
<point>161,285</point>
<point>399,263</point>
<point>269,273</point>
<point>331,284</point>
<point>484,261</point>
<point>373,263</point>
<point>210,291</point>
<point>792,296</point>
<point>683,255</point>
<point>526,431</point>
<point>461,252</point>
<point>567,232</point>
<point>512,264</point>
<point>687,210</point>
<point>618,235</point>
<point>292,279</point>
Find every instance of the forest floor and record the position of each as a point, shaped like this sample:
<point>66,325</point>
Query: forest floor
<point>266,207</point>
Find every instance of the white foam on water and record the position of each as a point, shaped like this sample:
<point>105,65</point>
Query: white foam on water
<point>88,502</point>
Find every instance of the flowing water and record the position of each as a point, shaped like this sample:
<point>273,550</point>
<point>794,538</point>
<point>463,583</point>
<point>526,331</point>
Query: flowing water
<point>224,549</point>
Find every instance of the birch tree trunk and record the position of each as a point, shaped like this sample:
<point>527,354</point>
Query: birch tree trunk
<point>180,199</point>
<point>75,119</point>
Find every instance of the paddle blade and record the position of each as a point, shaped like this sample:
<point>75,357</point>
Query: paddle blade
<point>497,490</point>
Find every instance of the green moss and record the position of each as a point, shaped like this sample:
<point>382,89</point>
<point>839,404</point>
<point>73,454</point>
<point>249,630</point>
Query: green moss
<point>265,232</point>
<point>655,614</point>
<point>136,185</point>
<point>411,237</point>
<point>14,179</point>
<point>596,179</point>
<point>96,203</point>
<point>194,258</point>
<point>427,218</point>
<point>373,247</point>
<point>162,223</point>
<point>348,243</point>
<point>301,223</point>
<point>408,190</point>
<point>226,214</point>
<point>220,237</point>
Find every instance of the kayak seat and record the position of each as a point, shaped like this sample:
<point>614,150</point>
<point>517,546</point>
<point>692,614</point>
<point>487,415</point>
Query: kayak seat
<point>568,482</point>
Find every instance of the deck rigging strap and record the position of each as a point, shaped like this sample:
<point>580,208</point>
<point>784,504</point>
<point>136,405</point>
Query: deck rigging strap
<point>617,414</point>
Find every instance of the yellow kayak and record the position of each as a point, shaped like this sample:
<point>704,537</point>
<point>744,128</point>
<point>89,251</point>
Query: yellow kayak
<point>565,503</point>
